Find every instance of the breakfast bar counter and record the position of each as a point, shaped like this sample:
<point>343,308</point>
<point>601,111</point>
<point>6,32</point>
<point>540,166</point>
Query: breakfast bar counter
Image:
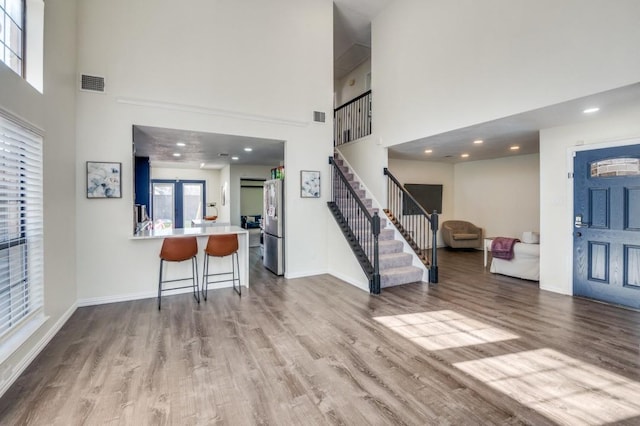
<point>202,233</point>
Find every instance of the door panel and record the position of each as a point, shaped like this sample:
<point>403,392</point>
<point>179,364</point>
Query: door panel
<point>163,196</point>
<point>192,199</point>
<point>175,203</point>
<point>606,240</point>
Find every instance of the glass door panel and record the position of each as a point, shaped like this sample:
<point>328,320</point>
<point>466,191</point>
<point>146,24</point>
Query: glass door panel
<point>163,205</point>
<point>192,200</point>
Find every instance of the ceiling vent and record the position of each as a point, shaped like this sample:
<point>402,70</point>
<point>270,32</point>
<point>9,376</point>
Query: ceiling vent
<point>223,155</point>
<point>91,83</point>
<point>318,116</point>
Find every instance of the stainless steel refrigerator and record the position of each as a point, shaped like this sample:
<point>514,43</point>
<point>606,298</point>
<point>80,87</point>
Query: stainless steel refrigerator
<point>273,224</point>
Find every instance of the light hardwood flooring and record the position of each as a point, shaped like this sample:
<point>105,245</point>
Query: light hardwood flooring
<point>476,349</point>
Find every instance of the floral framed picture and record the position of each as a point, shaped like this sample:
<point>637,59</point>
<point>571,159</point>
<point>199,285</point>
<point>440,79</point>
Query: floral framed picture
<point>309,184</point>
<point>104,180</point>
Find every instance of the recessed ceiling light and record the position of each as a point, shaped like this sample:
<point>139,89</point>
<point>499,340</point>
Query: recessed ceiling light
<point>235,158</point>
<point>514,148</point>
<point>176,154</point>
<point>201,165</point>
<point>464,155</point>
<point>428,151</point>
<point>478,141</point>
<point>181,144</point>
<point>591,110</point>
<point>248,149</point>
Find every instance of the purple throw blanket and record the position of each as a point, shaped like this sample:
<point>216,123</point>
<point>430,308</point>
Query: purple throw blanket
<point>502,247</point>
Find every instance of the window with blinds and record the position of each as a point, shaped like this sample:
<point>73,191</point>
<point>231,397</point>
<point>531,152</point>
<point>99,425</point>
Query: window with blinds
<point>21,217</point>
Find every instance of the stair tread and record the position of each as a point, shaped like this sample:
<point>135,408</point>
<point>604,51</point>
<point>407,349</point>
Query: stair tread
<point>393,255</point>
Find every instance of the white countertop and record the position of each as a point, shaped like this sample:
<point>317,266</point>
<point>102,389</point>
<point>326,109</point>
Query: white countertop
<point>189,232</point>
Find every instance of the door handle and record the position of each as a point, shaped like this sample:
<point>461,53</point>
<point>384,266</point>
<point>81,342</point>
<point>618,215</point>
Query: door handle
<point>578,223</point>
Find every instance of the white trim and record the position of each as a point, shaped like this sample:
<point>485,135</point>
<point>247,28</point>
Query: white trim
<point>571,151</point>
<point>17,335</point>
<point>22,122</point>
<point>359,285</point>
<point>292,276</point>
<point>211,111</point>
<point>20,366</point>
<point>93,301</point>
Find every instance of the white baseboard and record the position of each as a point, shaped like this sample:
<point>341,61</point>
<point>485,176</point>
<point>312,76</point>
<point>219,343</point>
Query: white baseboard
<point>350,280</point>
<point>291,276</point>
<point>22,364</point>
<point>93,301</point>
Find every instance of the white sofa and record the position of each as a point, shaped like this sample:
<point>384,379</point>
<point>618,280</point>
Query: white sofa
<point>525,263</point>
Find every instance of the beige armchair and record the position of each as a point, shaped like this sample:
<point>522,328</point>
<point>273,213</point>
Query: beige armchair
<point>461,234</point>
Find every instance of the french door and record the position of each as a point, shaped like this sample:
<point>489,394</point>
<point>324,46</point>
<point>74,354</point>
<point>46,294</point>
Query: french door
<point>176,203</point>
<point>606,234</point>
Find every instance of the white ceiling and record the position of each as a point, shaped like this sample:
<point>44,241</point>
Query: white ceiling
<point>352,32</point>
<point>160,144</point>
<point>521,129</point>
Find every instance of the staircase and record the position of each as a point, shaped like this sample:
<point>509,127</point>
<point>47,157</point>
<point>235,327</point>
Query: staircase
<point>395,265</point>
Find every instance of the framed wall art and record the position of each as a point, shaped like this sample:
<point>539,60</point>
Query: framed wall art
<point>104,179</point>
<point>309,184</point>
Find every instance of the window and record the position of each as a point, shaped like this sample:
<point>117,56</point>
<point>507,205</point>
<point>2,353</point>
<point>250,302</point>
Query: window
<point>12,34</point>
<point>175,203</point>
<point>21,245</point>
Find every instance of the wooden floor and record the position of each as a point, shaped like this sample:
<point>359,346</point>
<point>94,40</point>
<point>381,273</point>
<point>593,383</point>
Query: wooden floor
<point>477,348</point>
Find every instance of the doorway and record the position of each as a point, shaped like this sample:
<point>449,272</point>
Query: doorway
<point>175,203</point>
<point>606,234</point>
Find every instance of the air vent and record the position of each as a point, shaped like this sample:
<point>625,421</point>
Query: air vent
<point>318,116</point>
<point>223,154</point>
<point>92,83</point>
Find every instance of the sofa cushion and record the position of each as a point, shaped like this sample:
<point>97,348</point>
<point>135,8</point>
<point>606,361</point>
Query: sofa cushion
<point>465,236</point>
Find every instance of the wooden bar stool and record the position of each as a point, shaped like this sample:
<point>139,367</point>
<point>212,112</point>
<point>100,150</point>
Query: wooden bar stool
<point>221,246</point>
<point>179,249</point>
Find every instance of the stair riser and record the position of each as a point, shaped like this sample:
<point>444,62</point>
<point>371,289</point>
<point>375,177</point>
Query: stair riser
<point>395,247</point>
<point>342,201</point>
<point>343,193</point>
<point>399,279</point>
<point>387,263</point>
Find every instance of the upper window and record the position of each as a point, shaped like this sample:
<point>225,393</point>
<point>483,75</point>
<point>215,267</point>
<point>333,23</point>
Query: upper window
<point>615,167</point>
<point>12,34</point>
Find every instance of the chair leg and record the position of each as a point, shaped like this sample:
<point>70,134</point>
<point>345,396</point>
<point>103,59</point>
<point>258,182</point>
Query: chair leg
<point>205,272</point>
<point>160,285</point>
<point>194,271</point>
<point>239,290</point>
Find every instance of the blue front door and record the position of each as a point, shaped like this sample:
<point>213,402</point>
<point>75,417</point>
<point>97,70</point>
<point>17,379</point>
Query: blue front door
<point>606,232</point>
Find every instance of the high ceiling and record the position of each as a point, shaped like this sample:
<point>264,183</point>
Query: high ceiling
<point>352,32</point>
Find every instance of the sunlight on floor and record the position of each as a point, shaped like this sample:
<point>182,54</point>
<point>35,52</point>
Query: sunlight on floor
<point>443,329</point>
<point>561,388</point>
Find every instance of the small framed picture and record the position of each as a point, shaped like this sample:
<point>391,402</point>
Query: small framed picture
<point>309,184</point>
<point>104,180</point>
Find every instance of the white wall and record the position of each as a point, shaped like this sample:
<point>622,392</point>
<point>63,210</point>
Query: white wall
<point>368,158</point>
<point>246,68</point>
<point>251,198</point>
<point>353,84</point>
<point>443,65</point>
<point>53,112</point>
<point>502,196</point>
<point>211,178</point>
<point>240,172</point>
<point>556,190</point>
<point>429,172</point>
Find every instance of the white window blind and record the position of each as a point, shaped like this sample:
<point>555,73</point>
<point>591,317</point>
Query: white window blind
<point>21,217</point>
